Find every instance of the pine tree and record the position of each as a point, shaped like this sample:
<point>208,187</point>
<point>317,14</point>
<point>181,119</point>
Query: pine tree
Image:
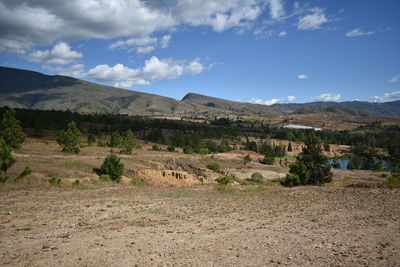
<point>69,138</point>
<point>7,161</point>
<point>128,142</point>
<point>311,167</point>
<point>11,130</point>
<point>315,162</point>
<point>115,140</point>
<point>113,167</point>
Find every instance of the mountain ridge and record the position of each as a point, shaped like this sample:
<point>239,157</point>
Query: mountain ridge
<point>34,90</point>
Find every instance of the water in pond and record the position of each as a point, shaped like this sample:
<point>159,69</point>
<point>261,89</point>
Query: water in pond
<point>345,161</point>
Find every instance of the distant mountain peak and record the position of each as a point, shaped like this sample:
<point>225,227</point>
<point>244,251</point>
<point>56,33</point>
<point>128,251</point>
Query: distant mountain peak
<point>34,90</point>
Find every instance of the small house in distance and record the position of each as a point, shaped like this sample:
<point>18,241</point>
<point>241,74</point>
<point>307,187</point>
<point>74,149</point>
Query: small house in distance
<point>303,127</point>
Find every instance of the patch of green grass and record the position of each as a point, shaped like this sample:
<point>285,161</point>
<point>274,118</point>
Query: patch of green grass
<point>285,158</point>
<point>76,164</point>
<point>138,182</point>
<point>393,181</point>
<point>224,188</point>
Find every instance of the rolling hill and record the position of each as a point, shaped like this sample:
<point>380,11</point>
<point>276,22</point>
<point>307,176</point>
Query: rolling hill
<point>34,90</point>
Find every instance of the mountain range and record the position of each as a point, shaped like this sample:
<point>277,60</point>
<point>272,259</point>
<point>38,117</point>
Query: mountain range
<point>33,90</point>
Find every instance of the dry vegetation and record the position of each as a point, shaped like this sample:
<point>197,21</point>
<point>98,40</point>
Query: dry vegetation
<point>173,220</point>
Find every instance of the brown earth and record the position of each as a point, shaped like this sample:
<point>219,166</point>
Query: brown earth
<point>174,220</point>
<point>198,226</point>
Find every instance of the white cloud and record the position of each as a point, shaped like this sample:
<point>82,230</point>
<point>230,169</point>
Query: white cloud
<point>327,97</point>
<point>270,101</point>
<point>302,77</point>
<point>276,9</point>
<point>164,42</point>
<point>387,97</point>
<point>60,54</point>
<point>357,32</point>
<point>143,44</point>
<point>154,69</point>
<point>312,21</point>
<point>395,79</point>
<point>262,33</point>
<point>24,24</point>
<point>134,42</point>
<point>145,49</point>
<point>73,71</point>
<point>282,34</point>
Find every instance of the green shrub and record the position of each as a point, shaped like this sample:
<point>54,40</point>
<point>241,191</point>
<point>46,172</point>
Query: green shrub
<point>188,150</point>
<point>351,165</point>
<point>138,182</point>
<point>393,181</point>
<point>113,167</point>
<point>55,181</point>
<point>203,151</point>
<point>91,139</point>
<point>268,160</point>
<point>156,148</point>
<point>247,158</point>
<point>257,178</point>
<point>76,182</point>
<point>104,178</point>
<point>226,179</point>
<point>214,166</point>
<point>171,148</point>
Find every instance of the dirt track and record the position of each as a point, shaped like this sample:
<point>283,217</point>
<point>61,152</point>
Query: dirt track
<point>198,226</point>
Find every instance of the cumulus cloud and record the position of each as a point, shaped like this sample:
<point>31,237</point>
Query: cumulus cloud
<point>312,21</point>
<point>154,69</point>
<point>270,101</point>
<point>327,97</point>
<point>24,24</point>
<point>302,77</point>
<point>357,32</point>
<point>60,54</point>
<point>73,71</point>
<point>282,34</point>
<point>387,97</point>
<point>395,79</point>
<point>276,9</point>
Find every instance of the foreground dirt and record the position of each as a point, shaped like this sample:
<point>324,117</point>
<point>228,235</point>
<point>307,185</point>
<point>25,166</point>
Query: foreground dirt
<point>199,226</point>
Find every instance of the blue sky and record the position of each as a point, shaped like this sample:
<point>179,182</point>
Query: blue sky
<point>269,51</point>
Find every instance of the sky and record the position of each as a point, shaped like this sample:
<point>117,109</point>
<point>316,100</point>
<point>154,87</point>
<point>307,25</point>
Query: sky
<point>258,51</point>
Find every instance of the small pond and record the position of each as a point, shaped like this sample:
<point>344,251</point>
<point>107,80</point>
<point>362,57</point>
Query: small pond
<point>345,161</point>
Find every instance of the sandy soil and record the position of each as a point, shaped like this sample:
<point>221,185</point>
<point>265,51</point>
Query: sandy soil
<point>200,226</point>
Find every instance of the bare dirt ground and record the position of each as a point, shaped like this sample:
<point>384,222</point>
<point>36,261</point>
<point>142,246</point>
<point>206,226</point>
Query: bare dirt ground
<point>199,226</point>
<point>176,221</point>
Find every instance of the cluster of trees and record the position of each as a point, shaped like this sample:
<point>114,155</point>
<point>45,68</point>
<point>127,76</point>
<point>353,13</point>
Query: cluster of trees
<point>266,148</point>
<point>187,134</point>
<point>311,167</point>
<point>70,141</point>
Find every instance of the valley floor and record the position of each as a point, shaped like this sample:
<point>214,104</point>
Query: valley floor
<point>200,226</point>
